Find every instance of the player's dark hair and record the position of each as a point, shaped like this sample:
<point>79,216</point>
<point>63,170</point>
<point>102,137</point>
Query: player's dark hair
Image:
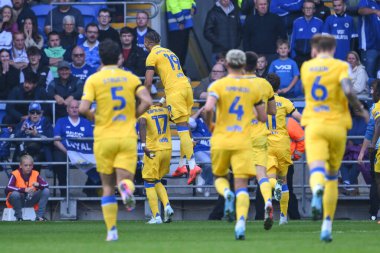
<point>323,42</point>
<point>33,50</point>
<point>153,36</point>
<point>109,52</point>
<point>274,80</point>
<point>251,61</point>
<point>126,30</point>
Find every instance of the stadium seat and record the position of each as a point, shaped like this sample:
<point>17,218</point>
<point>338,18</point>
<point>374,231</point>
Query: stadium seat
<point>41,11</point>
<point>89,13</point>
<point>28,213</point>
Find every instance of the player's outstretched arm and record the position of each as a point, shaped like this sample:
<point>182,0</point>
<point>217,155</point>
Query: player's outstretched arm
<point>261,113</point>
<point>271,107</point>
<point>84,109</point>
<point>353,100</point>
<point>149,78</point>
<point>145,101</point>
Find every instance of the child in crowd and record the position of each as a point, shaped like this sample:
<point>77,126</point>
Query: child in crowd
<point>262,66</point>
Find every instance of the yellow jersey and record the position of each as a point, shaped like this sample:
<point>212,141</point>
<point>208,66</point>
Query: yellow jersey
<point>376,111</point>
<point>277,123</point>
<point>325,100</point>
<point>236,97</point>
<point>259,128</point>
<point>158,136</point>
<point>167,65</point>
<point>113,90</point>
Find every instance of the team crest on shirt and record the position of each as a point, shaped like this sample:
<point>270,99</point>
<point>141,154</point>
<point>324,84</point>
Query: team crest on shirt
<point>335,25</point>
<point>313,30</point>
<point>82,129</point>
<point>346,25</point>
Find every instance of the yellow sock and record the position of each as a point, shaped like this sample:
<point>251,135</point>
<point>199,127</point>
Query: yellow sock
<point>242,203</point>
<point>152,197</point>
<point>266,189</point>
<point>162,193</point>
<point>330,198</point>
<point>185,142</point>
<point>272,182</point>
<point>130,184</point>
<point>221,184</point>
<point>109,209</point>
<point>284,202</point>
<point>317,177</point>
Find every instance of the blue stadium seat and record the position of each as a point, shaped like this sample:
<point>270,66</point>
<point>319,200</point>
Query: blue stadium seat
<point>41,12</point>
<point>89,13</point>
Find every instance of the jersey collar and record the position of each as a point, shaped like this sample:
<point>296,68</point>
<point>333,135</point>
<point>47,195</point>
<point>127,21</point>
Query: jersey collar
<point>110,67</point>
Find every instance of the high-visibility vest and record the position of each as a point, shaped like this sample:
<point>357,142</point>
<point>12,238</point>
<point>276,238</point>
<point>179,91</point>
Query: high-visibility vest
<point>297,135</point>
<point>21,183</point>
<point>179,11</point>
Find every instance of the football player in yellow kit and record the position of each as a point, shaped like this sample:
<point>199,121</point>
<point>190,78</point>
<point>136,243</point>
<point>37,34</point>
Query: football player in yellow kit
<point>179,97</point>
<point>279,155</point>
<point>115,140</point>
<point>156,140</point>
<point>235,97</point>
<point>259,137</point>
<point>326,117</point>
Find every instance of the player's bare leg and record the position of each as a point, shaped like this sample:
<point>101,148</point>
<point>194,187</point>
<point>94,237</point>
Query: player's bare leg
<point>266,191</point>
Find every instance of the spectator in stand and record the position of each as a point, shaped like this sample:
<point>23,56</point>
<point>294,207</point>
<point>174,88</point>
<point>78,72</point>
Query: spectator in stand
<point>19,58</point>
<point>262,30</point>
<point>35,66</point>
<point>134,56</point>
<point>287,70</point>
<point>141,29</point>
<point>34,126</point>
<point>5,39</point>
<point>222,28</point>
<point>23,12</point>
<point>9,75</point>
<point>218,71</point>
<point>359,76</point>
<point>57,15</point>
<point>105,29</point>
<point>26,188</point>
<point>8,22</point>
<point>54,53</point>
<point>79,68</point>
<point>91,45</point>
<point>303,30</point>
<point>79,152</point>
<point>5,2</point>
<point>180,22</point>
<point>287,10</point>
<point>321,11</point>
<point>370,35</point>
<point>69,36</point>
<point>28,91</point>
<point>64,89</point>
<point>30,30</point>
<point>198,126</point>
<point>342,27</point>
<point>262,66</point>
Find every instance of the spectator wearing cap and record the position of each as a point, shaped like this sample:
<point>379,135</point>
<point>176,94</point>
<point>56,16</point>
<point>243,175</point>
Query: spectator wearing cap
<point>64,89</point>
<point>28,91</point>
<point>79,68</point>
<point>34,126</point>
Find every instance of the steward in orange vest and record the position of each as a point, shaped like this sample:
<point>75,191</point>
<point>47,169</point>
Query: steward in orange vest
<point>26,188</point>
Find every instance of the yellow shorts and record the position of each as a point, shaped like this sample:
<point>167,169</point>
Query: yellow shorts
<point>260,150</point>
<point>279,160</point>
<point>157,167</point>
<point>114,153</point>
<point>377,164</point>
<point>180,102</point>
<point>325,143</point>
<point>240,160</point>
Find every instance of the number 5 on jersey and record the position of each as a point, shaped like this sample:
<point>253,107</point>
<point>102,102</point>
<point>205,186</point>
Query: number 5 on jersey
<point>116,97</point>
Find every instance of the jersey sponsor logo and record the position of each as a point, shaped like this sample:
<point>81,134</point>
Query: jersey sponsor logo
<point>119,118</point>
<point>335,25</point>
<point>163,140</point>
<point>283,67</point>
<point>78,146</point>
<point>235,128</point>
<point>322,108</point>
<point>300,30</point>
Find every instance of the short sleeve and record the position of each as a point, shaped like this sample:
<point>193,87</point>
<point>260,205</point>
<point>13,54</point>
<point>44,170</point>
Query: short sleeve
<point>362,4</point>
<point>258,97</point>
<point>296,71</point>
<point>89,90</point>
<point>151,61</point>
<point>376,112</point>
<point>57,128</point>
<point>346,71</point>
<point>213,90</point>
<point>269,90</point>
<point>289,107</point>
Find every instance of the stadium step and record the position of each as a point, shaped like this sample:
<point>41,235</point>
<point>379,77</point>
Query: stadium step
<point>28,213</point>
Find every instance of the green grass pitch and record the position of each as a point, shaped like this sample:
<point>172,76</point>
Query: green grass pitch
<point>187,236</point>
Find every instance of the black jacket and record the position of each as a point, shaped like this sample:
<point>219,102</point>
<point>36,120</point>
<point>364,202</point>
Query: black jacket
<point>42,73</point>
<point>222,31</point>
<point>8,81</point>
<point>110,33</point>
<point>262,32</point>
<point>136,61</point>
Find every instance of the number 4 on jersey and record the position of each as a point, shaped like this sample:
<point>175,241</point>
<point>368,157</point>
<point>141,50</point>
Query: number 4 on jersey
<point>236,109</point>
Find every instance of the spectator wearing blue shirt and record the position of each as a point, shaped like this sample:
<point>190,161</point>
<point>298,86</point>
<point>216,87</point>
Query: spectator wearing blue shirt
<point>80,152</point>
<point>91,45</point>
<point>79,68</point>
<point>141,29</point>
<point>304,28</point>
<point>342,27</point>
<point>287,70</point>
<point>369,41</point>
